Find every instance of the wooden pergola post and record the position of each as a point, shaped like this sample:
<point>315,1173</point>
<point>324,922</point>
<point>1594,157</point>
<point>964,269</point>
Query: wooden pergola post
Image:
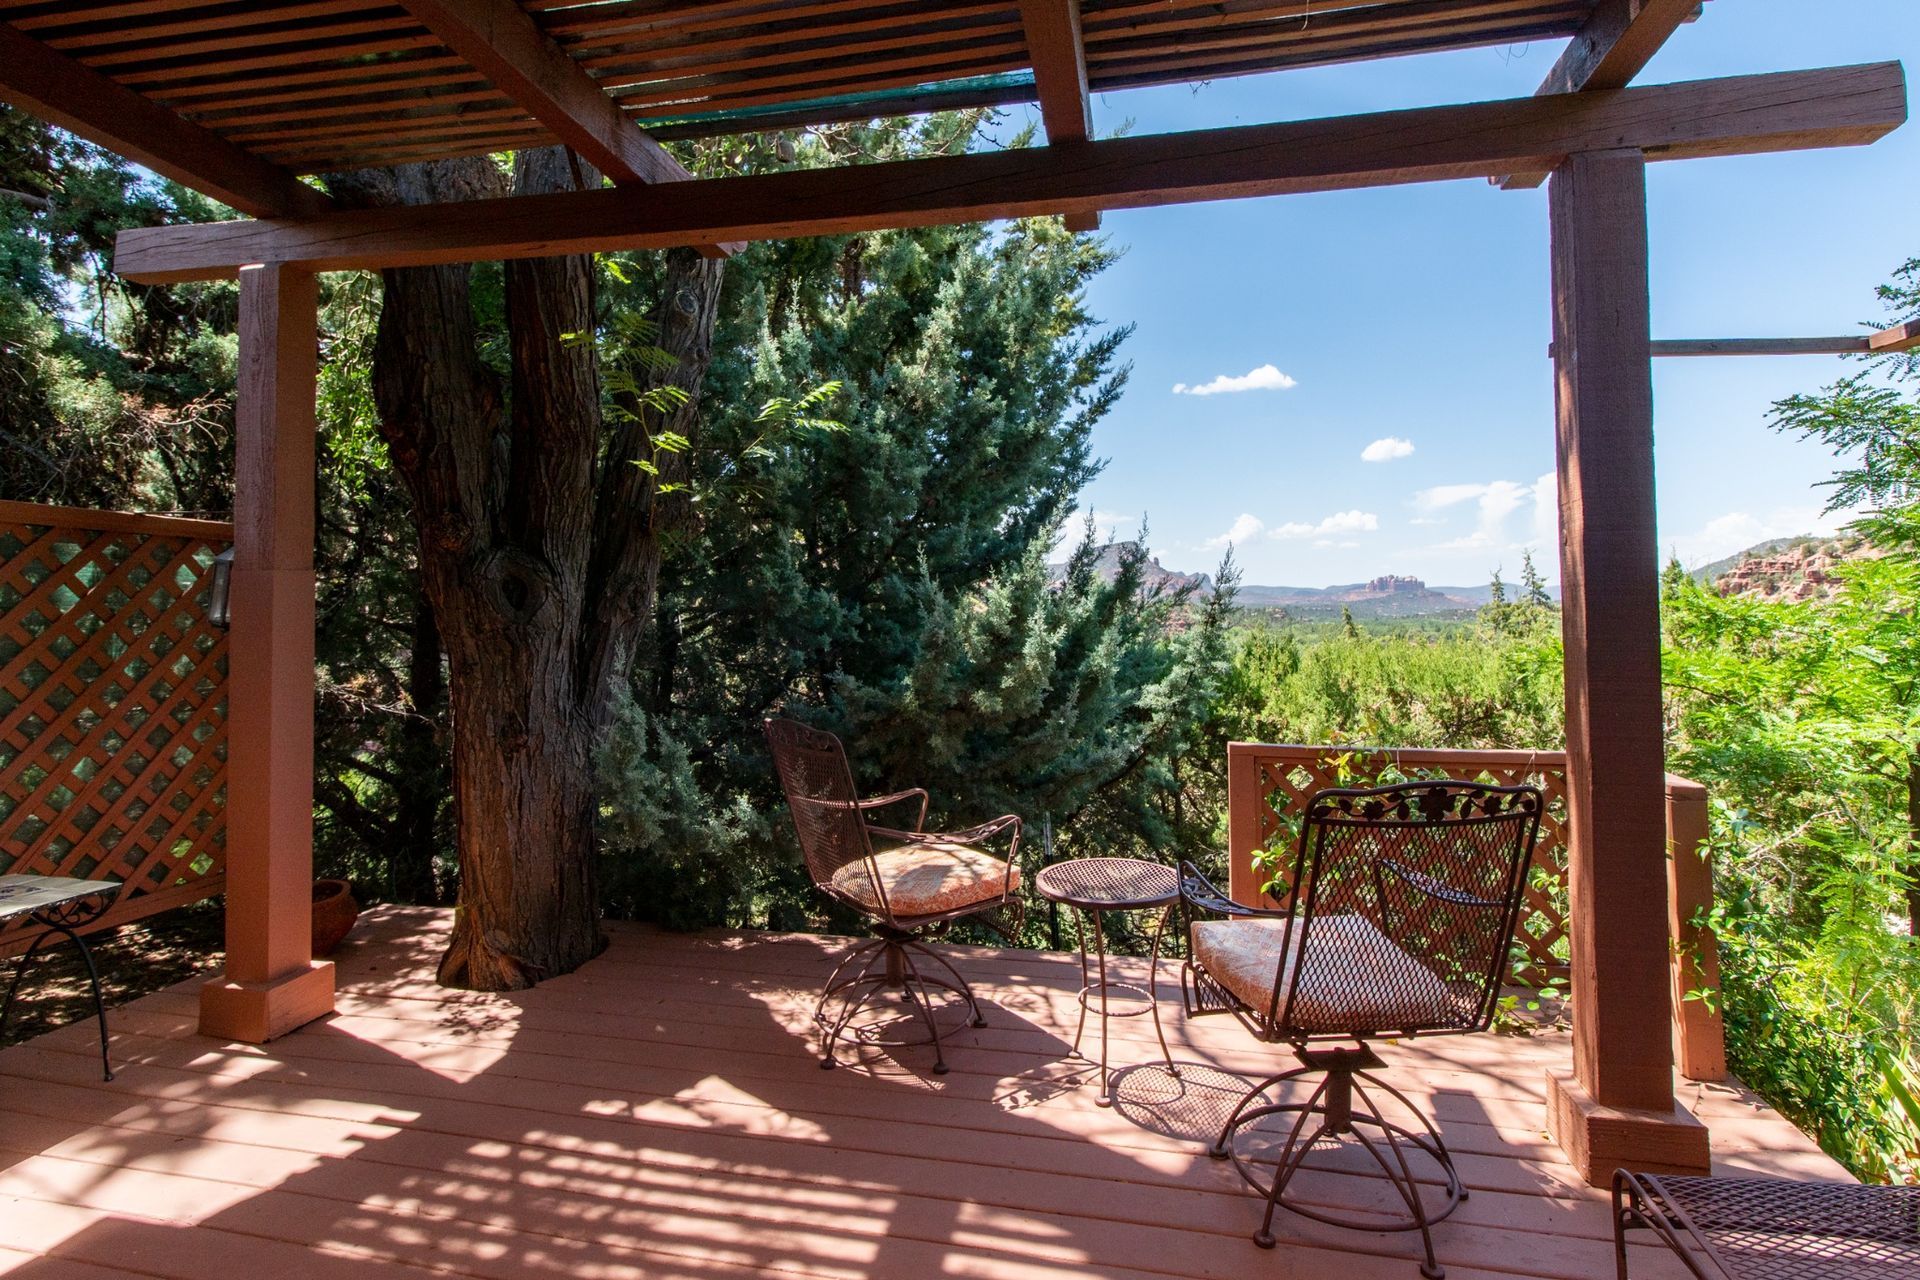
<point>272,983</point>
<point>1616,1107</point>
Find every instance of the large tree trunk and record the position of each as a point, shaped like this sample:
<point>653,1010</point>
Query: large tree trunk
<point>539,551</point>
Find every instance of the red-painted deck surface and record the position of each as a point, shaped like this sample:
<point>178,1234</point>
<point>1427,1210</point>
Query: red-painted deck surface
<point>659,1114</point>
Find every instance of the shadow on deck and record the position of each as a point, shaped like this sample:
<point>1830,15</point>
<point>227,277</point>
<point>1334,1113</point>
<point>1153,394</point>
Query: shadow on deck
<point>660,1114</point>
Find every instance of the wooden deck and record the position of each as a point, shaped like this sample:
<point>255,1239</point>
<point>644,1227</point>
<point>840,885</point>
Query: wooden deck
<point>659,1114</point>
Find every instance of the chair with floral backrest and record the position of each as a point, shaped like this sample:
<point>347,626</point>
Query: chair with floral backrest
<point>908,883</point>
<point>1397,921</point>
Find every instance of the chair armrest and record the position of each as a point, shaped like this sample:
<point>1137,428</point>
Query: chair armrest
<point>1196,891</point>
<point>911,793</point>
<point>1440,889</point>
<point>987,831</point>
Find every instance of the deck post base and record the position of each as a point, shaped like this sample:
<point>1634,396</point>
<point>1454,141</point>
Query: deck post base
<point>256,1012</point>
<point>1599,1139</point>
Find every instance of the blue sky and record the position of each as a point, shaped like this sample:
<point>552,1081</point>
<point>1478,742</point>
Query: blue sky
<point>1420,314</point>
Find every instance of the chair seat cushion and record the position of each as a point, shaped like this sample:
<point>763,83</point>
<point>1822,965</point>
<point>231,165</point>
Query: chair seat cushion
<point>1358,980</point>
<point>928,879</point>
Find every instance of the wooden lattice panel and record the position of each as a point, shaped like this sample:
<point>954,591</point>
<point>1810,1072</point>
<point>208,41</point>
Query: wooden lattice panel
<point>1268,788</point>
<point>113,705</point>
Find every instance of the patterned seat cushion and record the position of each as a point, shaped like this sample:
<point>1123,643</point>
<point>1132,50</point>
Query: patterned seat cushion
<point>928,879</point>
<point>1357,979</point>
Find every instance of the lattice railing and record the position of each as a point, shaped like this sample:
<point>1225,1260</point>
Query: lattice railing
<point>1268,787</point>
<point>113,705</point>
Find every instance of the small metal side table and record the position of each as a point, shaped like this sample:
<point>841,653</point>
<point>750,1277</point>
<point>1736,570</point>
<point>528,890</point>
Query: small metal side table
<point>1095,886</point>
<point>61,906</point>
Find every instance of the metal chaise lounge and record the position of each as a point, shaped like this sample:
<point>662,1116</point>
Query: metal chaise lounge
<point>908,883</point>
<point>1396,921</point>
<point>1771,1228</point>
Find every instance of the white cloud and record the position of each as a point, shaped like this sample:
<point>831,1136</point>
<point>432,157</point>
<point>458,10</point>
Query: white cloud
<point>1447,495</point>
<point>1495,502</point>
<point>1265,378</point>
<point>1546,515</point>
<point>1386,449</point>
<point>1108,527</point>
<point>1245,529</point>
<point>1341,522</point>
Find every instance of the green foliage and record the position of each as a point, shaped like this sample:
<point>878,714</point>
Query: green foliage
<point>111,395</point>
<point>1803,719</point>
<point>1495,683</point>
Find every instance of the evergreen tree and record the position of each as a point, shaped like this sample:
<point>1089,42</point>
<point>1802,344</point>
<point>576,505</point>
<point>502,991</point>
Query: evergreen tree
<point>889,579</point>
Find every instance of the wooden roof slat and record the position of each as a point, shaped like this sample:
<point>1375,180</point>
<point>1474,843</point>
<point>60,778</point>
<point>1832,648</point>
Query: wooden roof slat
<point>648,21</point>
<point>1415,18</point>
<point>139,50</point>
<point>170,70</point>
<point>890,20</point>
<point>491,118</point>
<point>1614,45</point>
<point>966,58</point>
<point>1839,106</point>
<point>94,32</point>
<point>774,49</point>
<point>63,92</point>
<point>992,92</point>
<point>1216,52</point>
<point>852,82</point>
<point>358,79</point>
<point>235,120</point>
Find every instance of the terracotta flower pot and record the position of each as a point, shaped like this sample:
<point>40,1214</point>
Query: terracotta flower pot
<point>334,912</point>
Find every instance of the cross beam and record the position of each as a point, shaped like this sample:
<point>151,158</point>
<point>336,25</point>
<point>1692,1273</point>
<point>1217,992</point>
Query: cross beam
<point>1059,58</point>
<point>499,40</point>
<point>1612,48</point>
<point>1843,106</point>
<point>46,83</point>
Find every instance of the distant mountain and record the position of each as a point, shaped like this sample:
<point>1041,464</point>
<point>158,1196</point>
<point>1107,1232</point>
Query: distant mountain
<point>1785,568</point>
<point>1107,565</point>
<point>1390,596</point>
<point>1708,574</point>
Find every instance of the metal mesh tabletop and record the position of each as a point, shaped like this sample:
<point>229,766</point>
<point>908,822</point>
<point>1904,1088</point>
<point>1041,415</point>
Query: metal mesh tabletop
<point>1772,1229</point>
<point>1109,884</point>
<point>22,895</point>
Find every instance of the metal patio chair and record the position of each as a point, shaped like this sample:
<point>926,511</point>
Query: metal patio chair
<point>1396,922</point>
<point>908,884</point>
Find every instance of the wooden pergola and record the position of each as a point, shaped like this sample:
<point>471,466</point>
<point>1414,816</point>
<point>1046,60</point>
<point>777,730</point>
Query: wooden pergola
<point>240,99</point>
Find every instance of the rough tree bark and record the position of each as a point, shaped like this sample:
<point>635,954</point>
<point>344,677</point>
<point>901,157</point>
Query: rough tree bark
<point>539,550</point>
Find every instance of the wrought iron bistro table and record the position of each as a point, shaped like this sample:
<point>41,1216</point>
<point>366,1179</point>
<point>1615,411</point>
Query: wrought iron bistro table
<point>61,906</point>
<point>1771,1228</point>
<point>1093,887</point>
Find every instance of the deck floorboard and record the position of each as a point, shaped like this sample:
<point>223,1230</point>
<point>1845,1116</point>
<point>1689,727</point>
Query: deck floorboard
<point>660,1114</point>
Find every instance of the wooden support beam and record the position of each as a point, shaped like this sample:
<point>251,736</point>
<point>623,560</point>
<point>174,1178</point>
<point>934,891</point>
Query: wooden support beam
<point>1836,107</point>
<point>1901,337</point>
<point>272,984</point>
<point>1059,55</point>
<point>1671,347</point>
<point>1699,1033</point>
<point>499,40</point>
<point>46,83</point>
<point>1615,45</point>
<point>1617,1106</point>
